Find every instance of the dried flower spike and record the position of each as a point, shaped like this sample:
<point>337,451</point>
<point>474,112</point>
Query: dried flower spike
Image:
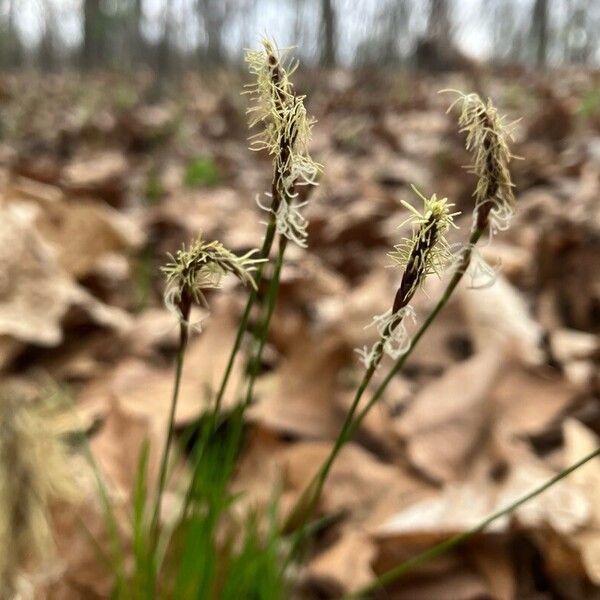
<point>426,252</point>
<point>488,138</point>
<point>202,267</point>
<point>33,471</point>
<point>285,134</point>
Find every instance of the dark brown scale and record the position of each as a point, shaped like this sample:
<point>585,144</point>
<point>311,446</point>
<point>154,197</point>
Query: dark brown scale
<point>483,212</point>
<point>426,241</point>
<point>286,145</point>
<point>276,77</point>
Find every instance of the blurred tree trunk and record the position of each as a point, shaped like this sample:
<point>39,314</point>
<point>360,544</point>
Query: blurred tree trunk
<point>163,54</point>
<point>11,47</point>
<point>438,22</point>
<point>328,33</point>
<point>93,31</point>
<point>46,50</point>
<point>435,51</point>
<point>137,39</point>
<point>539,32</point>
<point>580,33</point>
<point>214,14</point>
<point>395,22</point>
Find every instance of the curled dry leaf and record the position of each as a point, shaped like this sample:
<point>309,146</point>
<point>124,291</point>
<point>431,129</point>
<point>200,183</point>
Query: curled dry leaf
<point>35,292</point>
<point>358,479</point>
<point>529,400</point>
<point>142,390</point>
<point>498,315</point>
<point>450,417</point>
<point>81,231</point>
<point>101,176</point>
<point>345,566</point>
<point>462,505</point>
<point>297,398</point>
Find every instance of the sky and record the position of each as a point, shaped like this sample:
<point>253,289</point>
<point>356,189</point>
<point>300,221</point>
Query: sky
<point>275,17</point>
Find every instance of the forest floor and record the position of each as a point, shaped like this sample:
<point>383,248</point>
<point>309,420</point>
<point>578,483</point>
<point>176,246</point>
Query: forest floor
<point>102,176</point>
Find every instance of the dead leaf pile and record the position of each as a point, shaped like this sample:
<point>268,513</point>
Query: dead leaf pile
<point>97,184</point>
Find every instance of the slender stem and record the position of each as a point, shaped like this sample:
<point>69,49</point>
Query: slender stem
<point>264,328</point>
<point>308,500</point>
<point>449,544</point>
<point>162,477</point>
<point>452,284</point>
<point>264,253</point>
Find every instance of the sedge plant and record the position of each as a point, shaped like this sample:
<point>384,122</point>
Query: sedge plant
<point>426,252</point>
<point>493,210</point>
<point>284,131</point>
<point>189,274</point>
<point>201,553</point>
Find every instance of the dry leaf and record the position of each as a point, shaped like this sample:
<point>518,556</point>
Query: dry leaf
<point>450,417</point>
<point>298,397</point>
<point>37,293</point>
<point>345,566</point>
<point>579,441</point>
<point>498,315</point>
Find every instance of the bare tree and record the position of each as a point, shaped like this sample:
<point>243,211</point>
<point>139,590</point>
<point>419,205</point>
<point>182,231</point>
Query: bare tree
<point>94,29</point>
<point>539,31</point>
<point>328,33</point>
<point>435,50</point>
<point>214,15</point>
<point>11,47</point>
<point>438,22</point>
<point>163,51</point>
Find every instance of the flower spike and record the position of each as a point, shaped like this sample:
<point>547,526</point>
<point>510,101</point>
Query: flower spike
<point>285,134</point>
<point>426,252</point>
<point>488,139</point>
<point>202,267</point>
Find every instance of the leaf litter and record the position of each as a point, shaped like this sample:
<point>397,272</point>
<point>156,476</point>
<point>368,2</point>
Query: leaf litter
<point>486,409</point>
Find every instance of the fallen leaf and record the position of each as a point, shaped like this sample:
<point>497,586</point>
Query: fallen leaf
<point>450,417</point>
<point>498,315</point>
<point>297,398</point>
<point>345,566</point>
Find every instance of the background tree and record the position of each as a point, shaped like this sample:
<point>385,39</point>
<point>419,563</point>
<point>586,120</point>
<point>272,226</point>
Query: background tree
<point>328,33</point>
<point>539,32</point>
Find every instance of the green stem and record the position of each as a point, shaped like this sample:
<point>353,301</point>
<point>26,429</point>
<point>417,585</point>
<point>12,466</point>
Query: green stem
<point>162,477</point>
<point>310,496</point>
<point>271,301</point>
<point>264,253</point>
<point>443,547</point>
<point>452,284</point>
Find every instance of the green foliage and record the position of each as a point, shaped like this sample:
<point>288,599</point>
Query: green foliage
<point>207,552</point>
<point>201,171</point>
<point>590,103</point>
<point>154,189</point>
<point>229,565</point>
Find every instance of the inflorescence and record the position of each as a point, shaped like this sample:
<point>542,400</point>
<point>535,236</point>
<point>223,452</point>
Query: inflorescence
<point>201,267</point>
<point>488,139</point>
<point>285,134</point>
<point>424,253</point>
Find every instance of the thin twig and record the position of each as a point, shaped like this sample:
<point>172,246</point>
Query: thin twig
<point>447,545</point>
